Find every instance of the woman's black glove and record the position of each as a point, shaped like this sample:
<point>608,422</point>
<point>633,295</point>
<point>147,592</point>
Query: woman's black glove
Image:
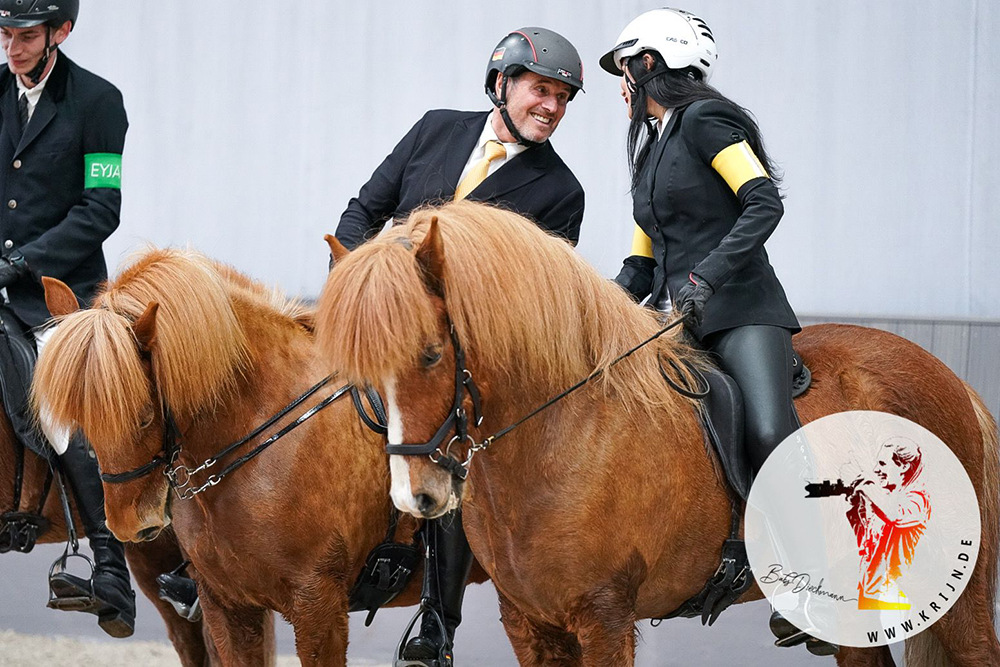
<point>691,299</point>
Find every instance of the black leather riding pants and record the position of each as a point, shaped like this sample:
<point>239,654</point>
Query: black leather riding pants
<point>759,358</point>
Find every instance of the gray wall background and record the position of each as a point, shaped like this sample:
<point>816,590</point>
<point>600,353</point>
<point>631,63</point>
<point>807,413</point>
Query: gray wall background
<point>253,123</point>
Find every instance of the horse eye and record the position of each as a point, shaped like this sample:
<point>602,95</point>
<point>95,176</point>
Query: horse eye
<point>431,355</point>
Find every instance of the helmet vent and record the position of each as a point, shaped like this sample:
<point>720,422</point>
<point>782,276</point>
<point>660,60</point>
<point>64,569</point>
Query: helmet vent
<point>705,63</point>
<point>709,35</point>
<point>545,50</point>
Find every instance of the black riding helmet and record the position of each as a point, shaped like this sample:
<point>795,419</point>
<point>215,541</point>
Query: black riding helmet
<point>29,13</point>
<point>538,50</point>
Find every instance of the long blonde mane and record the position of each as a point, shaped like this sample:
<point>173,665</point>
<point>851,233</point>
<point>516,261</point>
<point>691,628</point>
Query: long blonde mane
<point>523,303</point>
<point>92,374</point>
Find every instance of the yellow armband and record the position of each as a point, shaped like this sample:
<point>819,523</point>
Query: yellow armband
<point>642,245</point>
<point>737,164</point>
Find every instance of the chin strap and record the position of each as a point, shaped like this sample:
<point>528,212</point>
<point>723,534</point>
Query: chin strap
<point>36,72</point>
<point>502,105</point>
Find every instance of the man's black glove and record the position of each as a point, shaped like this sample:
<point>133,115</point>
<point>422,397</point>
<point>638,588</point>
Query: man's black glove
<point>12,269</point>
<point>691,299</point>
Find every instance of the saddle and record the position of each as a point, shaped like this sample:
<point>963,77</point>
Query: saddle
<point>19,530</point>
<point>720,408</point>
<point>17,367</point>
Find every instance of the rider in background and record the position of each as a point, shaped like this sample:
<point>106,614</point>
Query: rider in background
<point>705,199</point>
<point>502,157</point>
<point>62,131</point>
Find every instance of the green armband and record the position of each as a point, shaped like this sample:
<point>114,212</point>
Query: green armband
<point>102,170</point>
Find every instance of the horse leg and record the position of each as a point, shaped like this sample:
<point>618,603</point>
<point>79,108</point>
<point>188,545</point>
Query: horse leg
<point>538,644</point>
<point>243,635</point>
<point>879,656</point>
<point>147,560</point>
<point>320,623</point>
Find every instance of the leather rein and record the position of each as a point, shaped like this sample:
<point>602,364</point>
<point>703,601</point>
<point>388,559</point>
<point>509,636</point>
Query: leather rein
<point>179,477</point>
<point>458,420</point>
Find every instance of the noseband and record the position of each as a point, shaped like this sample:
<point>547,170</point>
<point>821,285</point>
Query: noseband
<point>457,420</point>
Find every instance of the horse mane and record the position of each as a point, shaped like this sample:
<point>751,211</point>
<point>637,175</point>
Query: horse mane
<point>92,374</point>
<point>522,302</point>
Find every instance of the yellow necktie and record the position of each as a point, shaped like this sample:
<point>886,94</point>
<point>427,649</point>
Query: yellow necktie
<point>477,174</point>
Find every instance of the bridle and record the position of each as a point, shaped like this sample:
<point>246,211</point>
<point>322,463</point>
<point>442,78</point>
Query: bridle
<point>457,418</point>
<point>179,477</point>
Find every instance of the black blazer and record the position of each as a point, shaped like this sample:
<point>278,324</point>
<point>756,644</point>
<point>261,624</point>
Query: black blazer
<point>47,212</point>
<point>697,224</point>
<point>425,166</point>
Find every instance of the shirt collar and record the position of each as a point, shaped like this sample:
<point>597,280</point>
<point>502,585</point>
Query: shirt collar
<point>488,134</point>
<point>662,124</point>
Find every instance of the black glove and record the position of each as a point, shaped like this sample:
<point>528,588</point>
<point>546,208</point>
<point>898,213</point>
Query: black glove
<point>12,269</point>
<point>691,299</point>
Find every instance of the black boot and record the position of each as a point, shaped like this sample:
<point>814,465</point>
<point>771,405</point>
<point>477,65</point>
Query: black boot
<point>445,572</point>
<point>181,592</point>
<point>109,593</point>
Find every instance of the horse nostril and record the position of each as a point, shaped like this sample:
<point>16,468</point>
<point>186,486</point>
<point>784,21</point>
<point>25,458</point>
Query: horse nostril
<point>424,502</point>
<point>147,534</point>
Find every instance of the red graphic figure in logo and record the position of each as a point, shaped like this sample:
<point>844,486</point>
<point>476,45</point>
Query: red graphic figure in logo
<point>889,512</point>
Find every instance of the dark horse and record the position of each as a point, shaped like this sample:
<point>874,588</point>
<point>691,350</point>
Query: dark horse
<point>606,509</point>
<point>146,561</point>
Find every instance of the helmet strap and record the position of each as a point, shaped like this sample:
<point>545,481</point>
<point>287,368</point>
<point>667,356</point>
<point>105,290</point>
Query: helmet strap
<point>36,72</point>
<point>507,119</point>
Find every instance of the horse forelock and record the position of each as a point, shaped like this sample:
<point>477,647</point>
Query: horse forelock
<point>91,377</point>
<point>375,315</point>
<point>523,304</point>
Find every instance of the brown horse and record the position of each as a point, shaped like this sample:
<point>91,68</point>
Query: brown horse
<point>606,509</point>
<point>146,561</point>
<point>176,334</point>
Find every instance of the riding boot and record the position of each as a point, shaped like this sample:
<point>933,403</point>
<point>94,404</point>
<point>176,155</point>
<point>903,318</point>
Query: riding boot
<point>109,592</point>
<point>446,570</point>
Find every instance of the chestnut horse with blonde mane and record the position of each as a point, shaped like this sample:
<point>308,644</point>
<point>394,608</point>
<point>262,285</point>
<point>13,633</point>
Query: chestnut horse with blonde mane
<point>606,508</point>
<point>289,531</point>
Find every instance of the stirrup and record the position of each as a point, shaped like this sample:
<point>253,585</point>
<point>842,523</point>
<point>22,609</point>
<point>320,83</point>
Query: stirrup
<point>69,592</point>
<point>444,658</point>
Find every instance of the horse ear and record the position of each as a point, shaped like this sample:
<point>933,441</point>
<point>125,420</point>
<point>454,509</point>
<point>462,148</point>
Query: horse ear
<point>145,327</point>
<point>59,298</point>
<point>430,258</point>
<point>337,249</point>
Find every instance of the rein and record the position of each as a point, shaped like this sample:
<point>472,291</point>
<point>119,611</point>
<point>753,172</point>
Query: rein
<point>179,476</point>
<point>458,418</point>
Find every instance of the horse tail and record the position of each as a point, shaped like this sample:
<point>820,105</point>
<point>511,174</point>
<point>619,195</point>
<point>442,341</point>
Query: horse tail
<point>925,649</point>
<point>90,376</point>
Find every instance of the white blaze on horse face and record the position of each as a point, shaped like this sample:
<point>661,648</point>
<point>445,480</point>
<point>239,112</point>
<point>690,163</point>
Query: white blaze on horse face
<point>399,470</point>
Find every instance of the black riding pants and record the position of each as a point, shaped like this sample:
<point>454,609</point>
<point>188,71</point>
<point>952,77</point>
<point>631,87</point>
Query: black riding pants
<point>759,358</point>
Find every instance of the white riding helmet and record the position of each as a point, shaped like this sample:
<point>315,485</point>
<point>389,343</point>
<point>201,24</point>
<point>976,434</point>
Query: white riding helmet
<point>681,38</point>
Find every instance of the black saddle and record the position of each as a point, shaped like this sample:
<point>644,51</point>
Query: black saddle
<point>720,407</point>
<point>17,366</point>
<point>721,411</point>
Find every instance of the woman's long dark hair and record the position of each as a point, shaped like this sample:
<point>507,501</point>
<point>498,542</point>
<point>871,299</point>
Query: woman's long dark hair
<point>673,89</point>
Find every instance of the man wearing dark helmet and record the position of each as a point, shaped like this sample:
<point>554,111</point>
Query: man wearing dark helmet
<point>502,157</point>
<point>62,130</point>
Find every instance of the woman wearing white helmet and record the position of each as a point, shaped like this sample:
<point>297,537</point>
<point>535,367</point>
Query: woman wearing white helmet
<point>705,199</point>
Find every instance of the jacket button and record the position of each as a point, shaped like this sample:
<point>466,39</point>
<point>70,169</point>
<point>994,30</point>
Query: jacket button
<point>12,203</point>
<point>656,228</point>
<point>17,164</point>
<point>8,244</point>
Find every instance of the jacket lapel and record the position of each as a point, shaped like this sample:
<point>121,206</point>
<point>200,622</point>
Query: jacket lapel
<point>521,170</point>
<point>459,146</point>
<point>45,111</point>
<point>11,122</point>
